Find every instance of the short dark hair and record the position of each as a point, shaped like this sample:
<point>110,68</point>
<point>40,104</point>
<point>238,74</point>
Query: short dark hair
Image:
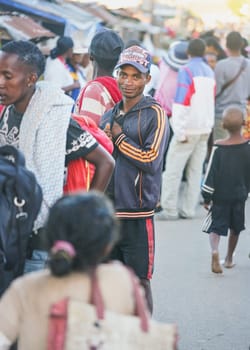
<point>212,41</point>
<point>234,41</point>
<point>106,64</point>
<point>233,118</point>
<point>28,53</point>
<point>87,221</point>
<point>196,48</point>
<point>63,44</point>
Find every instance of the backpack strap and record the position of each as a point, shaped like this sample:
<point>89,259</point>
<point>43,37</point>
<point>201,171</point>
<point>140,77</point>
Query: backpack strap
<point>231,81</point>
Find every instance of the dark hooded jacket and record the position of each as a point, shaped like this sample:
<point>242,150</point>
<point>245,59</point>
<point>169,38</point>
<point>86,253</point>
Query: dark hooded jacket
<point>139,151</point>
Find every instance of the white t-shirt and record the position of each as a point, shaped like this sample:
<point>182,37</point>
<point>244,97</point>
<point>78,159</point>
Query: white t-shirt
<point>155,76</point>
<point>57,73</point>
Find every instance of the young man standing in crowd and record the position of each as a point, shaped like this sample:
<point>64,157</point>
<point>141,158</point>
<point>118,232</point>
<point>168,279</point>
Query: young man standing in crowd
<point>139,130</point>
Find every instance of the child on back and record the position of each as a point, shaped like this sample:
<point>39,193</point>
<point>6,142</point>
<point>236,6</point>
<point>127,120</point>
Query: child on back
<point>226,186</point>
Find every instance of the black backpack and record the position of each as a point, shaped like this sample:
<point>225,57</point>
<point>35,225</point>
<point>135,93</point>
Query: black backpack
<point>20,202</point>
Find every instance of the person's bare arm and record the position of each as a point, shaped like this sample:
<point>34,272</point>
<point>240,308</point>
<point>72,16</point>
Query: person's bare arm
<point>104,166</point>
<point>68,88</point>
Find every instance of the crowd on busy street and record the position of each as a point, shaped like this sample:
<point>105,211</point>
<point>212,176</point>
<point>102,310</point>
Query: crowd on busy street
<point>120,144</point>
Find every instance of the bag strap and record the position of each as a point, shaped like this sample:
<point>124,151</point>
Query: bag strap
<point>57,325</point>
<point>140,306</point>
<point>231,81</point>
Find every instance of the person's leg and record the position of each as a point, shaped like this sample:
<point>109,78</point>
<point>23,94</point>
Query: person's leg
<point>117,252</point>
<point>214,240</point>
<point>148,293</point>
<point>148,251</point>
<point>138,249</point>
<point>237,224</point>
<point>158,205</point>
<point>171,133</point>
<point>177,156</point>
<point>192,186</point>
<point>216,224</point>
<point>232,243</point>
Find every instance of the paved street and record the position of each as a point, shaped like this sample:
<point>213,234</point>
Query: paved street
<point>212,311</point>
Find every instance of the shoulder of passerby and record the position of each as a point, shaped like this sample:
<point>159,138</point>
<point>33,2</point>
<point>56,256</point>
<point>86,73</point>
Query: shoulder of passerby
<point>184,77</point>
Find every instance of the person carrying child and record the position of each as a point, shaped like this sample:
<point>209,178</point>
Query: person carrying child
<point>226,186</point>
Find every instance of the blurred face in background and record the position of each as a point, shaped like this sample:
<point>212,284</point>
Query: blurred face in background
<point>211,59</point>
<point>211,50</point>
<point>85,60</point>
<point>76,58</point>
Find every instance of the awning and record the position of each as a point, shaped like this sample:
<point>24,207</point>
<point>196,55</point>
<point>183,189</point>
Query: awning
<point>22,27</point>
<point>98,11</point>
<point>74,20</point>
<point>10,5</point>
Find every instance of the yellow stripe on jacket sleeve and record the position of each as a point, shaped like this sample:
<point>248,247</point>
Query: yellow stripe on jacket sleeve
<point>150,155</point>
